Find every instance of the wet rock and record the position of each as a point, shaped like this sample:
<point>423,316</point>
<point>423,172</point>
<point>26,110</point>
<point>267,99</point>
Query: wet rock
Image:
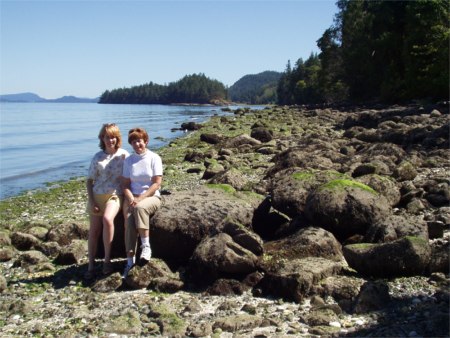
<point>307,242</point>
<point>373,296</point>
<point>22,241</point>
<point>189,216</point>
<point>219,255</point>
<point>108,284</point>
<point>211,138</point>
<point>5,240</point>
<point>237,322</point>
<point>320,316</point>
<point>244,237</point>
<point>127,323</point>
<point>293,279</point>
<point>440,252</point>
<point>241,140</point>
<point>31,259</point>
<point>190,126</point>
<point>170,323</point>
<point>63,234</point>
<point>156,271</point>
<point>50,249</point>
<point>291,187</point>
<point>405,171</point>
<point>203,329</point>
<point>345,208</point>
<point>261,134</point>
<point>224,287</point>
<point>395,227</point>
<point>407,256</point>
<point>232,177</point>
<point>6,253</point>
<point>73,253</point>
<point>383,185</point>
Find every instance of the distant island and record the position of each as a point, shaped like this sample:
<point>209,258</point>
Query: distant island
<point>31,97</point>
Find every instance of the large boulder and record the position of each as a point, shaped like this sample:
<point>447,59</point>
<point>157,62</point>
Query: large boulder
<point>220,256</point>
<point>240,140</point>
<point>156,274</point>
<point>305,158</point>
<point>395,227</point>
<point>231,176</point>
<point>244,237</point>
<point>295,278</point>
<point>189,216</point>
<point>383,185</point>
<point>307,242</point>
<point>290,188</point>
<point>408,256</point>
<point>63,234</point>
<point>345,208</point>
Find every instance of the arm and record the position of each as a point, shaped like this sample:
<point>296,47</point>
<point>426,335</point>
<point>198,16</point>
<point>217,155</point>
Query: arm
<point>90,191</point>
<point>156,185</point>
<point>126,187</point>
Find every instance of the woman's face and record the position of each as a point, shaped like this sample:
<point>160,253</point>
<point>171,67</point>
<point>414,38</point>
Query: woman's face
<point>139,146</point>
<point>110,142</point>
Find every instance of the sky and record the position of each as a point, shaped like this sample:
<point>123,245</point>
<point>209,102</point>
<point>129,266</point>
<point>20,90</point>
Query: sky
<point>82,48</point>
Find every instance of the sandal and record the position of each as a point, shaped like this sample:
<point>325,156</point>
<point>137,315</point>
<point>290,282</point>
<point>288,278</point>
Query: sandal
<point>90,274</point>
<point>107,268</point>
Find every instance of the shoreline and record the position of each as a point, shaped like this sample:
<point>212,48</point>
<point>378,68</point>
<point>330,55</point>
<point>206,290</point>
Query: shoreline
<point>418,304</point>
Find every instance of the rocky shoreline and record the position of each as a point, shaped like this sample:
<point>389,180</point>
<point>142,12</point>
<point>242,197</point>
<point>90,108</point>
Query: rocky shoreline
<point>284,222</point>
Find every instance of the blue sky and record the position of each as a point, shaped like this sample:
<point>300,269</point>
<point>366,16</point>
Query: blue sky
<point>82,48</point>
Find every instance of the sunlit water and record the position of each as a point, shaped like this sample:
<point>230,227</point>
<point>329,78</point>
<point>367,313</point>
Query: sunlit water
<point>49,142</point>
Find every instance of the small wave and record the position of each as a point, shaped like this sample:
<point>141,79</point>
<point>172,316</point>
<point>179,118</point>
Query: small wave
<point>67,165</point>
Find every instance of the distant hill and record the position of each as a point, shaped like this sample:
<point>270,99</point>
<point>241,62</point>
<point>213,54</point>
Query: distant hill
<point>31,97</point>
<point>255,89</point>
<point>21,97</point>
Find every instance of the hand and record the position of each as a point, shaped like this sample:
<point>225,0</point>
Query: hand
<point>95,208</point>
<point>132,202</point>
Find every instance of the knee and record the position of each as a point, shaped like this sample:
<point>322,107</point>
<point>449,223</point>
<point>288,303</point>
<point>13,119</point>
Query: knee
<point>108,221</point>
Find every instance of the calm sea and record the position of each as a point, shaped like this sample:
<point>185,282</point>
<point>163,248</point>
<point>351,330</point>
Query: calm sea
<point>49,142</point>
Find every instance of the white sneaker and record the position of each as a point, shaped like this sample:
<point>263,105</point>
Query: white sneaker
<point>146,253</point>
<point>127,269</point>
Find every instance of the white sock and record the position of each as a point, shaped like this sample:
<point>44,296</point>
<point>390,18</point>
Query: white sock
<point>131,260</point>
<point>145,241</point>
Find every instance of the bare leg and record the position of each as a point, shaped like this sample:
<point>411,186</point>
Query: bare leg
<point>94,232</point>
<point>108,228</point>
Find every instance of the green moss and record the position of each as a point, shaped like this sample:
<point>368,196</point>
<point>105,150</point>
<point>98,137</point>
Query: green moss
<point>343,183</point>
<point>312,174</point>
<point>174,324</point>
<point>417,240</point>
<point>303,176</point>
<point>361,245</point>
<point>224,187</point>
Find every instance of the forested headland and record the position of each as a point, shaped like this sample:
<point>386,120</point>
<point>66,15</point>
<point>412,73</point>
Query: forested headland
<point>375,51</point>
<point>195,88</point>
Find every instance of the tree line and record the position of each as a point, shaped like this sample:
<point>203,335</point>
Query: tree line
<point>195,88</point>
<point>375,51</point>
<point>256,88</point>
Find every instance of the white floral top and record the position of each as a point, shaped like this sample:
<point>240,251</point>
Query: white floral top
<point>105,170</point>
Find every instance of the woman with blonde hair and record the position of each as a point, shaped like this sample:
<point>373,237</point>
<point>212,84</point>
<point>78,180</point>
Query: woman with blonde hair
<point>105,194</point>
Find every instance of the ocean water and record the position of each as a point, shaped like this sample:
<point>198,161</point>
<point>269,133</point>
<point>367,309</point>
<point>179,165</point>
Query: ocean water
<point>49,142</point>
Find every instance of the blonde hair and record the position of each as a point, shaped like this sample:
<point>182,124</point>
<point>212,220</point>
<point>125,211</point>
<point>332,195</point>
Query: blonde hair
<point>112,130</point>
